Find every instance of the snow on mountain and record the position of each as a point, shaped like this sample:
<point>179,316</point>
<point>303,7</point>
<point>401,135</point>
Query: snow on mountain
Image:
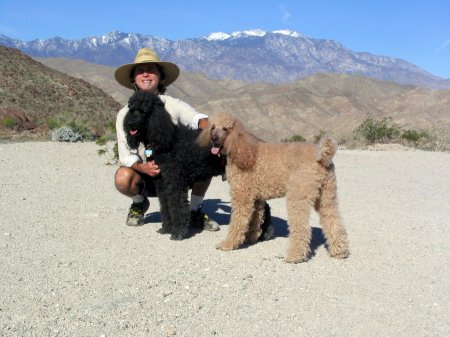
<point>244,55</point>
<point>220,36</point>
<point>287,32</point>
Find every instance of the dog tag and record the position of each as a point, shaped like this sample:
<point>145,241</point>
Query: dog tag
<point>148,154</point>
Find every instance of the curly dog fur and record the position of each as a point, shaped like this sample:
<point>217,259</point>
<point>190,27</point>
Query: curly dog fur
<point>301,172</point>
<point>181,159</point>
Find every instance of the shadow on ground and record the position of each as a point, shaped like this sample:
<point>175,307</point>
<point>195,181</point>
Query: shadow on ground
<point>221,212</point>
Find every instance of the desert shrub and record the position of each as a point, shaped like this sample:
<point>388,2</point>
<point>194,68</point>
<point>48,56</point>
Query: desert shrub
<point>434,140</point>
<point>294,138</point>
<point>414,136</point>
<point>116,151</point>
<point>52,123</point>
<point>81,129</point>
<point>319,136</point>
<point>9,122</point>
<point>111,127</point>
<point>110,132</point>
<point>66,134</point>
<point>374,131</point>
<point>102,140</point>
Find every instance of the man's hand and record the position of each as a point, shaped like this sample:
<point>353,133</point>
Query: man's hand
<point>150,168</point>
<point>203,123</point>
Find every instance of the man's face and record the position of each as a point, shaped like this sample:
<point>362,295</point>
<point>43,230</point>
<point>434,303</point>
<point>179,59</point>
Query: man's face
<point>146,77</point>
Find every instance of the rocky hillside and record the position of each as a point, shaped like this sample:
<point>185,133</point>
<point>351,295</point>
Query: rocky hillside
<point>31,95</point>
<point>332,103</point>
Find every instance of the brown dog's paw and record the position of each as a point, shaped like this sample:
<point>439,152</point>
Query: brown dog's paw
<point>226,245</point>
<point>295,259</point>
<point>338,249</point>
<point>339,254</point>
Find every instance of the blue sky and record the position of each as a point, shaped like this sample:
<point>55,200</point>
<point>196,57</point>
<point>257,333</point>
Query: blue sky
<point>417,31</point>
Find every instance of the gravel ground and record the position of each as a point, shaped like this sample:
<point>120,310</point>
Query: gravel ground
<point>71,267</point>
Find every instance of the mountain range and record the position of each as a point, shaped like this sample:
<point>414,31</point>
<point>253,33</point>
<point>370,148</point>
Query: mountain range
<point>252,56</point>
<point>36,91</point>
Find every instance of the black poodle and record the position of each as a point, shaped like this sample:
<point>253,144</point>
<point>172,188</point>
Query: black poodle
<point>174,149</point>
<point>181,159</point>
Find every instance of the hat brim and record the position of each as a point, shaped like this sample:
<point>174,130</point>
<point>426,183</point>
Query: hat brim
<point>123,73</point>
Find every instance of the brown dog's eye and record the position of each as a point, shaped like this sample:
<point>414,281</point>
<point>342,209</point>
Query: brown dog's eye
<point>225,129</point>
<point>213,127</point>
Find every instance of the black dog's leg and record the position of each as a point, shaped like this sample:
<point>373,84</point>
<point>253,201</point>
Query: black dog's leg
<point>164,209</point>
<point>180,214</point>
<point>266,226</point>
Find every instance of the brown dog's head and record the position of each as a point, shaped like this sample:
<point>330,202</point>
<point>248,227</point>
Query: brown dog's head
<point>226,135</point>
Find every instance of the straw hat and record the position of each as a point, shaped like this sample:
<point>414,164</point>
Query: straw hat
<point>146,55</point>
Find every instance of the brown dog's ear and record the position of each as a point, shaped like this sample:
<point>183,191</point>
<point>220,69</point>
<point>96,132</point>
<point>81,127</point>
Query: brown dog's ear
<point>241,147</point>
<point>204,138</point>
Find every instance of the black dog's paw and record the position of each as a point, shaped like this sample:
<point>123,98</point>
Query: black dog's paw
<point>163,230</point>
<point>267,233</point>
<point>179,234</point>
<point>177,237</point>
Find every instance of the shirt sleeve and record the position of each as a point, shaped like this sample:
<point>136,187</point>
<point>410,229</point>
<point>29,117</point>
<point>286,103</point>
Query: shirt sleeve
<point>127,157</point>
<point>181,112</point>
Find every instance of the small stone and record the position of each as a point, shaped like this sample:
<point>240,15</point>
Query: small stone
<point>166,293</point>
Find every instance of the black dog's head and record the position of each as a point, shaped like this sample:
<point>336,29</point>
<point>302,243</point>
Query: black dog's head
<point>148,122</point>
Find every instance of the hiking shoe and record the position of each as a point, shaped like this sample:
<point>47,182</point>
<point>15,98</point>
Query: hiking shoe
<point>137,212</point>
<point>201,220</point>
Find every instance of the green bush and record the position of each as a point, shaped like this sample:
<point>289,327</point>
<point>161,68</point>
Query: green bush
<point>374,131</point>
<point>116,151</point>
<point>319,136</point>
<point>102,140</point>
<point>294,138</point>
<point>52,123</point>
<point>9,122</point>
<point>414,136</point>
<point>111,126</point>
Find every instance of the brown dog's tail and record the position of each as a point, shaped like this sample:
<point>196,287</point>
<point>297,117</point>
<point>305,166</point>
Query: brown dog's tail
<point>327,150</point>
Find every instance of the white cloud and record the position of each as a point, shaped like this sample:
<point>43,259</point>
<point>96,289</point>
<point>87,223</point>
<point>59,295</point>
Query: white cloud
<point>444,46</point>
<point>285,13</point>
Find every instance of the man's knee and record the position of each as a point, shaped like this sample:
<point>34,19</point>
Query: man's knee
<point>125,179</point>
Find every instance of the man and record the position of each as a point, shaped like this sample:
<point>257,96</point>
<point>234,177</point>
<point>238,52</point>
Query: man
<point>134,177</point>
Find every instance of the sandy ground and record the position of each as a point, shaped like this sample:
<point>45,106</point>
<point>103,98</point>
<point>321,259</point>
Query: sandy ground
<point>71,267</point>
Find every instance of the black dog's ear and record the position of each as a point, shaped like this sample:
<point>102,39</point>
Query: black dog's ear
<point>132,142</point>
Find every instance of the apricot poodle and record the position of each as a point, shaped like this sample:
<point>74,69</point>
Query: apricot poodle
<point>256,171</point>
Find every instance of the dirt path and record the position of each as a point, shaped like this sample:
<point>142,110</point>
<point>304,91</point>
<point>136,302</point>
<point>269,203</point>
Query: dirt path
<point>70,266</point>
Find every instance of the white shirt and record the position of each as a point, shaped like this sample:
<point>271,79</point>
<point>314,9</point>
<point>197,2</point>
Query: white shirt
<point>181,113</point>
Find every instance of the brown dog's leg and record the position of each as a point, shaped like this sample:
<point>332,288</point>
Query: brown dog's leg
<point>300,198</point>
<point>330,220</point>
<point>240,220</point>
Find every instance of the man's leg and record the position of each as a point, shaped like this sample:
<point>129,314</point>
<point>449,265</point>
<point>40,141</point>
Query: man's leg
<point>198,218</point>
<point>131,184</point>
